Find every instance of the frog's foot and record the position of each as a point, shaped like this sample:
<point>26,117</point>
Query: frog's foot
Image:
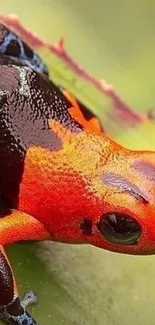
<point>12,310</point>
<point>15,313</point>
<point>23,227</point>
<point>29,299</point>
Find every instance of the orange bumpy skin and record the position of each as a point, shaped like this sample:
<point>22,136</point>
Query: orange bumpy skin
<point>89,177</point>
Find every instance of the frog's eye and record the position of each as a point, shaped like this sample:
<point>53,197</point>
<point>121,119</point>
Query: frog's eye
<point>119,228</point>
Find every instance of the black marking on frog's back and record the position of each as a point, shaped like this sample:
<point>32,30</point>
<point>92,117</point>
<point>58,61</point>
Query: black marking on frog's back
<point>87,113</point>
<point>28,100</point>
<point>12,45</point>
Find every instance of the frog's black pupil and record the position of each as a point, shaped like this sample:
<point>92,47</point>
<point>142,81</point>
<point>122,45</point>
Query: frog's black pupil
<point>119,228</point>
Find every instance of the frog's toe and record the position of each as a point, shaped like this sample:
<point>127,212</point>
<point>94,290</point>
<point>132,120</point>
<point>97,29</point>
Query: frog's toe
<point>29,299</point>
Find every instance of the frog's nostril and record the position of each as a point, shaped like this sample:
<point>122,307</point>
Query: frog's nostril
<point>86,227</point>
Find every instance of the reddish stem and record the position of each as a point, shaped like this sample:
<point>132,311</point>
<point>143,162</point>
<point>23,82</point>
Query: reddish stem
<point>121,109</point>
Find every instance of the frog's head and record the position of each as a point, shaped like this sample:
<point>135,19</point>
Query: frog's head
<point>125,216</point>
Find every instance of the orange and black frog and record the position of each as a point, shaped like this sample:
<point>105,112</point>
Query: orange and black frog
<point>61,177</point>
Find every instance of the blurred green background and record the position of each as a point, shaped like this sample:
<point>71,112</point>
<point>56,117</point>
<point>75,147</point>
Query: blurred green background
<point>114,40</point>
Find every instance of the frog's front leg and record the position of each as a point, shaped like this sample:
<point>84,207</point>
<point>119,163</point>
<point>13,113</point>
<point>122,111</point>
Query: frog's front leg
<point>15,227</point>
<point>11,309</point>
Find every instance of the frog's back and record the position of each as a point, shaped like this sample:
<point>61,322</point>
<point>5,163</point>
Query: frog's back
<point>29,104</point>
<point>28,101</point>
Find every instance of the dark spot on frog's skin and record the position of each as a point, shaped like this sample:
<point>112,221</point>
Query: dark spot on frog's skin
<point>120,182</point>
<point>85,111</point>
<point>86,227</point>
<point>13,48</point>
<point>145,168</point>
<point>15,309</point>
<point>28,51</point>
